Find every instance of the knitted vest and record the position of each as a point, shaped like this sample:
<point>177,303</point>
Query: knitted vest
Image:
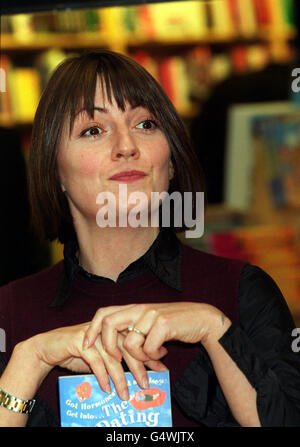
<point>25,307</point>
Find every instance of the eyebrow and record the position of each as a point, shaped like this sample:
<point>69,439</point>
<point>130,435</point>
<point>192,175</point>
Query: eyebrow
<point>104,110</point>
<point>99,109</point>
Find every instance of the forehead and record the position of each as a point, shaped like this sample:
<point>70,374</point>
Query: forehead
<point>102,95</point>
<point>105,99</point>
<point>105,93</point>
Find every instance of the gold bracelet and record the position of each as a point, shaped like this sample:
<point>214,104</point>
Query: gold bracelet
<point>15,404</point>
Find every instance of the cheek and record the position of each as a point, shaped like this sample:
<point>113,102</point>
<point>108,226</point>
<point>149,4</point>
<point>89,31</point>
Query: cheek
<point>85,166</point>
<point>160,163</point>
<point>160,157</point>
<point>89,165</point>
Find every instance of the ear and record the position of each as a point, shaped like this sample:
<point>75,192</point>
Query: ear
<point>171,170</point>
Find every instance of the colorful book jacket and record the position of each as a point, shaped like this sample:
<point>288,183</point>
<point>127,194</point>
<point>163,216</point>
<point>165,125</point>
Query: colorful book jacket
<point>279,139</point>
<point>84,404</point>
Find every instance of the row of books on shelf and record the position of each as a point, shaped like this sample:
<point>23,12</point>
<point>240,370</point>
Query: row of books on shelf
<point>178,20</point>
<point>259,221</point>
<point>187,80</point>
<point>275,248</point>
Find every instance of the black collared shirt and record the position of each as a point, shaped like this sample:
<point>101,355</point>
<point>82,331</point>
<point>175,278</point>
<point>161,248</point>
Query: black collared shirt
<point>163,258</point>
<point>262,345</point>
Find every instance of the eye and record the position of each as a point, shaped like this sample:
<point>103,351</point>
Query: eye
<point>147,124</point>
<point>93,131</point>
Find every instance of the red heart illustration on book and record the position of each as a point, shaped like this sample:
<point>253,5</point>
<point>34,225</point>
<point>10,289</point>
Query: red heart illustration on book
<point>153,397</point>
<point>83,391</point>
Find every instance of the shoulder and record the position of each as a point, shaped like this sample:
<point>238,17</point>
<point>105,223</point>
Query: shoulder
<point>24,305</point>
<point>209,263</point>
<point>38,286</point>
<point>212,279</point>
<point>261,298</point>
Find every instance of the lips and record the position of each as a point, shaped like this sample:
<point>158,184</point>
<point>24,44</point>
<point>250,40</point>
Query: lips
<point>128,175</point>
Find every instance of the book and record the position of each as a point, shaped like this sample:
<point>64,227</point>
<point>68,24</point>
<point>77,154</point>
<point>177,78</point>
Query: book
<point>248,24</point>
<point>288,8</point>
<point>22,27</point>
<point>6,116</point>
<point>278,137</point>
<point>148,62</point>
<point>277,14</point>
<point>165,77</point>
<point>182,21</point>
<point>144,24</point>
<point>47,62</point>
<point>262,12</point>
<point>25,89</point>
<point>257,57</point>
<point>222,23</point>
<point>233,10</point>
<point>239,59</point>
<point>272,247</point>
<point>181,91</point>
<point>84,404</point>
<point>240,153</point>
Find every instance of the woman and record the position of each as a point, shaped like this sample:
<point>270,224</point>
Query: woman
<point>129,296</point>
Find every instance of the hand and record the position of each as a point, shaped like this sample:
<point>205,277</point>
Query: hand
<point>188,322</point>
<point>64,347</point>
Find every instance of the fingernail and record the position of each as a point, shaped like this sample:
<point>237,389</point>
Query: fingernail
<point>125,395</point>
<point>145,383</point>
<point>107,388</point>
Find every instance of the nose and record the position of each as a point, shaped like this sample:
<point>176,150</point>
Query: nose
<point>125,147</point>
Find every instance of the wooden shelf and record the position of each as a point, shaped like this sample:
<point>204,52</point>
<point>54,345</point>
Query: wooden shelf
<point>43,41</point>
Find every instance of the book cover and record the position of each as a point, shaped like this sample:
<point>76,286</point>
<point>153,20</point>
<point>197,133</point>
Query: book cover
<point>84,404</point>
<point>240,157</point>
<point>278,138</point>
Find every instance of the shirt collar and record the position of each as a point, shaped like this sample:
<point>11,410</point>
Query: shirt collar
<point>163,258</point>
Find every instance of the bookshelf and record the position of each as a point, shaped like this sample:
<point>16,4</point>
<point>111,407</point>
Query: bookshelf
<point>187,36</point>
<point>86,40</point>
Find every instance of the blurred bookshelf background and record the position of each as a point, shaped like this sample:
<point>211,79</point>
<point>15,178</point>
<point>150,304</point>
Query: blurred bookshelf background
<point>227,67</point>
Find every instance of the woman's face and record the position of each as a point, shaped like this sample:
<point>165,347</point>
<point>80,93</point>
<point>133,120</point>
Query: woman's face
<point>112,142</point>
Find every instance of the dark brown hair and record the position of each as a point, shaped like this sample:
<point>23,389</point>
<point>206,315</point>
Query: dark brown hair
<point>72,88</point>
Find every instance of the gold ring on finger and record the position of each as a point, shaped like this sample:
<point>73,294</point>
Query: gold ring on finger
<point>136,330</point>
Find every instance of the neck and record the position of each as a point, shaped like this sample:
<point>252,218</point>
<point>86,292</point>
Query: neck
<point>108,251</point>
